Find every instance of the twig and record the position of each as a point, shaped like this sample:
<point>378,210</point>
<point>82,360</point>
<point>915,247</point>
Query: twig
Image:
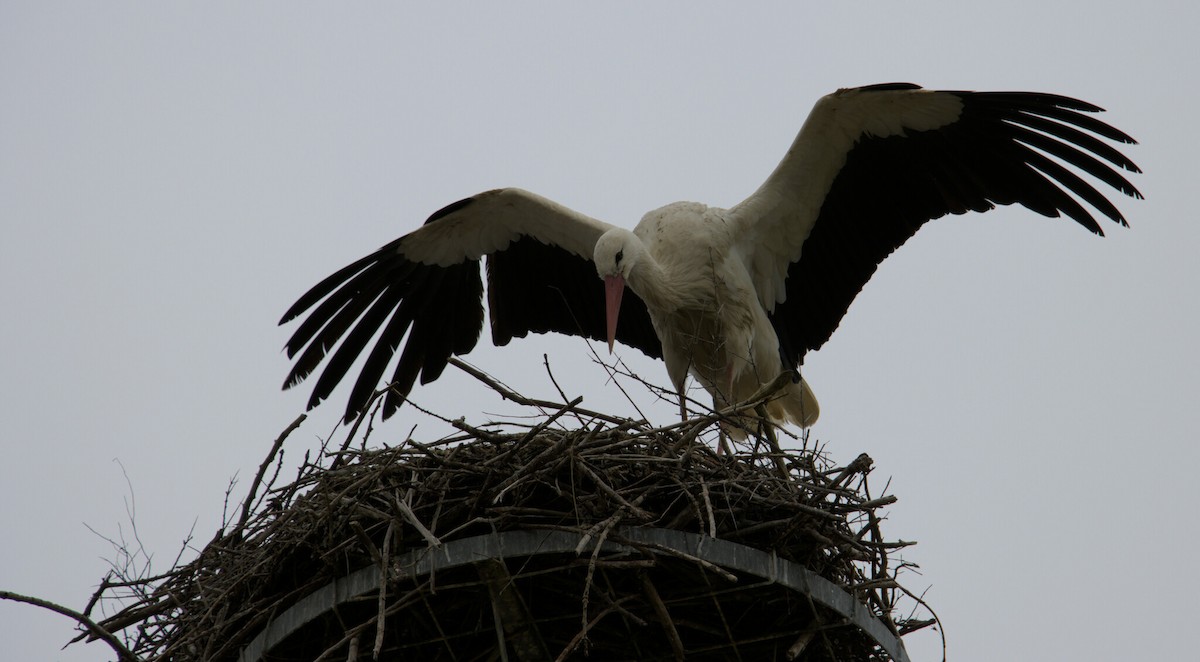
<point>411,517</point>
<point>712,520</point>
<point>582,634</point>
<point>537,429</point>
<point>100,633</point>
<point>561,393</point>
<point>384,573</point>
<point>664,617</point>
<point>513,396</point>
<point>262,471</point>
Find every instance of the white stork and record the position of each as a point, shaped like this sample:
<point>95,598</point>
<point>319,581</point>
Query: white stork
<point>732,296</point>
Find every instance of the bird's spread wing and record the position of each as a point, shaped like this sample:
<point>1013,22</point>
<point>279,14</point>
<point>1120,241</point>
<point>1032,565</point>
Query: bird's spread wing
<point>873,164</point>
<point>427,285</point>
<point>535,287</point>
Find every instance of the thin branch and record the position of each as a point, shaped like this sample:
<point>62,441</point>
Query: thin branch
<point>513,396</point>
<point>100,633</point>
<point>262,471</point>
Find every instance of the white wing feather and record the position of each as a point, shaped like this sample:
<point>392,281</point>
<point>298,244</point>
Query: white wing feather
<point>490,221</point>
<point>773,223</point>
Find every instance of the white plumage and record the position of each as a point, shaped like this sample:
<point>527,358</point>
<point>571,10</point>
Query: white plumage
<point>688,264</point>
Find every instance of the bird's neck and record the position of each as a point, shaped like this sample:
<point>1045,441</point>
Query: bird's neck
<point>650,281</point>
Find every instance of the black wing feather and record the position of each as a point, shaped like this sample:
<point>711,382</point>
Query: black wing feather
<point>318,333</point>
<point>385,293</point>
<point>537,288</point>
<point>997,152</point>
<point>436,312</point>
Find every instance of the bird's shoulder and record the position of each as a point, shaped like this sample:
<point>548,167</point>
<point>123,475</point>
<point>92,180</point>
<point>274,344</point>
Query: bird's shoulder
<point>683,229</point>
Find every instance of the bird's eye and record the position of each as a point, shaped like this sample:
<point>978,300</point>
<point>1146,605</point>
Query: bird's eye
<point>620,254</point>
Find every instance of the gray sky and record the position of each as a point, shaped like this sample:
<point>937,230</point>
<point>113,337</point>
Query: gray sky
<point>173,176</point>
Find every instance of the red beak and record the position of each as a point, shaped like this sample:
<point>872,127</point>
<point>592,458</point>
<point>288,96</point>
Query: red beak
<point>614,287</point>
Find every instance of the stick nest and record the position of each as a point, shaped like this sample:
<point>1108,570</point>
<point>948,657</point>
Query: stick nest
<point>581,472</point>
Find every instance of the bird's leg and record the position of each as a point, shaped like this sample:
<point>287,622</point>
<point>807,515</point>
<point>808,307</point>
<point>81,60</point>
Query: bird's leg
<point>767,429</point>
<point>679,375</point>
<point>723,447</point>
<point>723,442</point>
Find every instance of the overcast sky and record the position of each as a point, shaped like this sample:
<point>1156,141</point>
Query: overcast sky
<point>173,176</point>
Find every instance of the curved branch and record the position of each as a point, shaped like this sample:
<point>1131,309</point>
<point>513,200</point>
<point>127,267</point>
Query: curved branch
<point>123,653</point>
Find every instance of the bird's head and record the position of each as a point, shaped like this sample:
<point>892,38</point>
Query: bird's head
<point>616,254</point>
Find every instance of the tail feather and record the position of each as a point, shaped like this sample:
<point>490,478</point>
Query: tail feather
<point>794,404</point>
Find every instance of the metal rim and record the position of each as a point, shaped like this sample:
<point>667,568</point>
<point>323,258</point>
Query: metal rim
<point>510,544</point>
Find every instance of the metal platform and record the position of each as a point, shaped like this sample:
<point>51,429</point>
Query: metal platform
<point>524,544</point>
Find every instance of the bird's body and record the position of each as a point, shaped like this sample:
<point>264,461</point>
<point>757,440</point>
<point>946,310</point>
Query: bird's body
<point>704,307</point>
<point>731,296</point>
